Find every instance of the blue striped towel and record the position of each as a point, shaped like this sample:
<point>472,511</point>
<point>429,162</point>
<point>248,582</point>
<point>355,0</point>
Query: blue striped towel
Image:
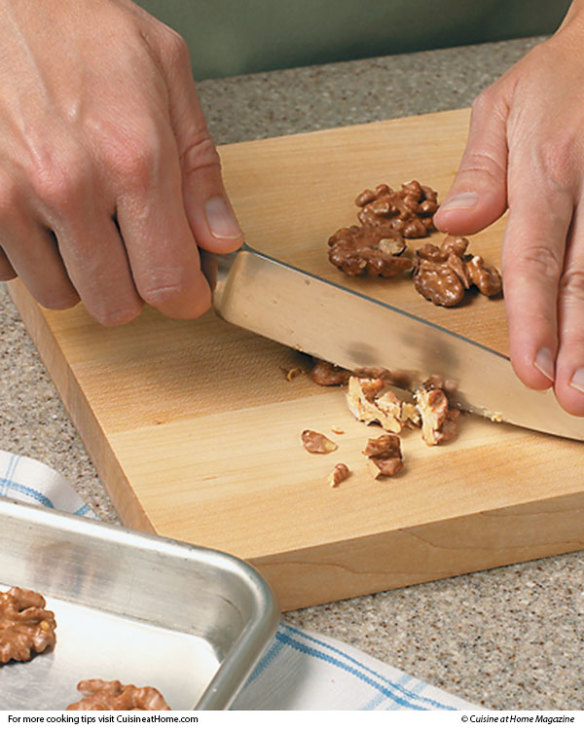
<point>307,671</point>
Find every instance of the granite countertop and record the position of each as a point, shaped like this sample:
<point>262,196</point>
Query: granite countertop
<point>509,638</point>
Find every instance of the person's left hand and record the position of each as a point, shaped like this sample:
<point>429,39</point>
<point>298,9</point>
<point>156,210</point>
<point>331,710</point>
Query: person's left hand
<point>525,152</point>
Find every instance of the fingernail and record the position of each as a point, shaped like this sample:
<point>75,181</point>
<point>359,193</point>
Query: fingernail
<point>462,201</point>
<point>578,380</point>
<point>544,362</point>
<point>220,219</point>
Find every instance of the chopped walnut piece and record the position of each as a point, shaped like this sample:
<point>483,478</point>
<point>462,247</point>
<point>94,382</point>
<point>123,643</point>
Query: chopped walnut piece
<point>372,401</point>
<point>439,421</point>
<point>27,628</point>
<point>409,210</point>
<point>374,250</point>
<point>410,414</point>
<point>442,274</point>
<point>339,473</point>
<point>384,454</point>
<point>101,695</point>
<point>317,443</point>
<point>324,373</point>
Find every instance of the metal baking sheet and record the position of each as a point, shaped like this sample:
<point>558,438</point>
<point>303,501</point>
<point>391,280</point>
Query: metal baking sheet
<point>189,621</point>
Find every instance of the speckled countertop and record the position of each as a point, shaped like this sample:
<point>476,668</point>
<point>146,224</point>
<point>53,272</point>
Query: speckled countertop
<point>510,638</point>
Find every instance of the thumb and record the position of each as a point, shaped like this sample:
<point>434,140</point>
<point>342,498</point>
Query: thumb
<point>207,206</point>
<point>478,195</point>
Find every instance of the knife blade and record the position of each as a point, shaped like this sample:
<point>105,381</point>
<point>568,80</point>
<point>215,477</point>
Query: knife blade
<point>350,329</point>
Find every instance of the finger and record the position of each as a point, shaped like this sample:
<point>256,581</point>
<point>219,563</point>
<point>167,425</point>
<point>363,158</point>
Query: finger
<point>569,383</point>
<point>478,195</point>
<point>75,204</point>
<point>6,270</point>
<point>30,251</point>
<point>532,262</point>
<point>162,251</point>
<point>207,205</point>
<point>96,261</point>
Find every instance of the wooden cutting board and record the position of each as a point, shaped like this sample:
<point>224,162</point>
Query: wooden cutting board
<point>195,430</point>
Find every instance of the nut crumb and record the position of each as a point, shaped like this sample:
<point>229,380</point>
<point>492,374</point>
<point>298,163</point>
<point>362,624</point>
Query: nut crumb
<point>339,473</point>
<point>337,429</point>
<point>317,443</point>
<point>291,373</point>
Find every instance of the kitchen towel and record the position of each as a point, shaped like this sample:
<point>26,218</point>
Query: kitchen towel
<point>300,669</point>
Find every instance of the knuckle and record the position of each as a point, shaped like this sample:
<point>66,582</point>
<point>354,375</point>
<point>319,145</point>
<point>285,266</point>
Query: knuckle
<point>137,158</point>
<point>572,284</point>
<point>161,295</point>
<point>119,315</point>
<point>178,298</point>
<point>486,103</point>
<point>557,158</point>
<point>199,154</point>
<point>484,164</point>
<point>540,261</point>
<point>57,298</point>
<point>60,185</point>
<point>175,48</point>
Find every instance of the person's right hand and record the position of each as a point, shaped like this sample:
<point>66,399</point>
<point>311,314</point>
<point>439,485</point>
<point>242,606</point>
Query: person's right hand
<point>109,180</point>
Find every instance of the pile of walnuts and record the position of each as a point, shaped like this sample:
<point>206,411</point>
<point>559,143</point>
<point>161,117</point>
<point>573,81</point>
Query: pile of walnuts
<point>442,274</point>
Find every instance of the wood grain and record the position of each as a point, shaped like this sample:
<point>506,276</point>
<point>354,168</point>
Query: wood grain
<point>195,431</point>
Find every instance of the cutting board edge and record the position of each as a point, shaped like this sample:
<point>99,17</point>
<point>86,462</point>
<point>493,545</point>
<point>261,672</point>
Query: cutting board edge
<point>457,546</point>
<point>108,468</point>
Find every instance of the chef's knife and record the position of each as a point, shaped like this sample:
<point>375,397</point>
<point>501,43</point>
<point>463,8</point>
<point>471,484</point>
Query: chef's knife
<point>254,291</point>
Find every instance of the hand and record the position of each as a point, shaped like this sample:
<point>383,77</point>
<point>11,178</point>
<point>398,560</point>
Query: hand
<point>525,152</point>
<point>109,180</point>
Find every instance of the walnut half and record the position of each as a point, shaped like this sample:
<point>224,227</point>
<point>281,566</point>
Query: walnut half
<point>27,628</point>
<point>375,250</point>
<point>409,210</point>
<point>101,695</point>
<point>442,274</point>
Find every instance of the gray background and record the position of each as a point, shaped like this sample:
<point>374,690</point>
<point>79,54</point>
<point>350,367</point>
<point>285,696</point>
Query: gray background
<point>228,37</point>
